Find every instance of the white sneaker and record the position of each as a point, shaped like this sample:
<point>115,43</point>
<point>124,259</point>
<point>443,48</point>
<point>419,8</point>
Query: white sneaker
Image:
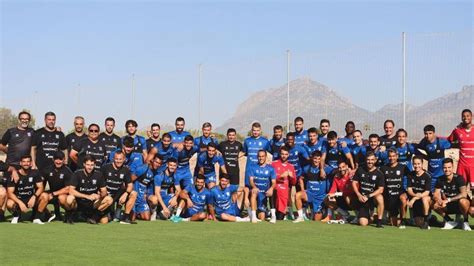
<point>15,220</point>
<point>52,218</point>
<point>273,220</point>
<point>298,220</point>
<point>153,216</point>
<point>246,219</point>
<point>466,227</point>
<point>37,221</point>
<point>449,225</point>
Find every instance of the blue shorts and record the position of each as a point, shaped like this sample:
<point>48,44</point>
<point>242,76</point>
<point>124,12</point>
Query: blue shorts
<point>184,177</point>
<point>248,171</point>
<point>188,213</point>
<point>262,201</point>
<point>166,198</point>
<point>233,210</point>
<point>143,192</point>
<point>316,201</point>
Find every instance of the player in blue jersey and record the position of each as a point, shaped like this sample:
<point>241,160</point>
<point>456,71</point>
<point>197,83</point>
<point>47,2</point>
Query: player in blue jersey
<point>139,142</point>
<point>277,141</point>
<point>314,143</point>
<point>314,189</point>
<point>164,148</point>
<point>262,181</point>
<point>183,174</point>
<point>379,151</point>
<point>301,135</point>
<point>201,142</point>
<point>207,165</point>
<point>324,128</point>
<point>358,149</point>
<point>405,150</point>
<point>225,199</point>
<point>166,191</point>
<point>434,148</point>
<point>194,199</point>
<point>177,136</point>
<point>349,138</point>
<point>143,184</point>
<point>132,159</point>
<point>298,156</point>
<point>153,136</point>
<point>335,152</point>
<point>252,145</point>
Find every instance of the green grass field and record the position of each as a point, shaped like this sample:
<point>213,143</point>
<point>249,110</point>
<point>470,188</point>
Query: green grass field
<point>164,242</point>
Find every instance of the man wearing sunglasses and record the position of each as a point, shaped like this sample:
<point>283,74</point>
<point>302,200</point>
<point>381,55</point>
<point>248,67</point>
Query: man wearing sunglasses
<point>90,146</point>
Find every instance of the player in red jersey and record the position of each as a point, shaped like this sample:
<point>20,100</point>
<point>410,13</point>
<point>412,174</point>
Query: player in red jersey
<point>341,195</point>
<point>285,175</point>
<point>464,135</point>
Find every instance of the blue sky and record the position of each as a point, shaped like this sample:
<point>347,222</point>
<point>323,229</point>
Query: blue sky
<point>48,48</point>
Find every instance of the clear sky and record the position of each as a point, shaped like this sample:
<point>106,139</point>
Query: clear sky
<point>49,48</point>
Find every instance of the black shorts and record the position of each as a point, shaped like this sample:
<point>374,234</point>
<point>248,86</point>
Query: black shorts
<point>418,208</point>
<point>341,203</point>
<point>365,208</point>
<point>85,205</point>
<point>453,208</point>
<point>392,205</point>
<point>234,178</point>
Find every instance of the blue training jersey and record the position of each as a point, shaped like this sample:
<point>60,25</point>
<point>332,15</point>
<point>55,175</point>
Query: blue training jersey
<point>334,154</point>
<point>202,142</point>
<point>165,182</point>
<point>253,145</point>
<point>405,155</point>
<point>133,160</point>
<point>165,153</point>
<point>178,137</point>
<point>298,156</point>
<point>183,157</point>
<point>145,175</point>
<point>199,199</point>
<point>435,154</point>
<point>139,144</point>
<point>209,163</point>
<point>275,146</point>
<point>263,176</point>
<point>222,198</point>
<point>301,138</point>
<point>315,186</point>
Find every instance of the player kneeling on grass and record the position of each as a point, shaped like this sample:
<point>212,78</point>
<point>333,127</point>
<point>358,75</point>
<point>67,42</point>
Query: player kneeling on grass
<point>316,189</point>
<point>225,198</point>
<point>450,197</point>
<point>88,194</point>
<point>418,189</point>
<point>341,196</point>
<point>166,190</point>
<point>24,194</point>
<point>119,185</point>
<point>58,176</point>
<point>194,199</point>
<point>206,164</point>
<point>144,186</point>
<point>368,184</point>
<point>262,182</point>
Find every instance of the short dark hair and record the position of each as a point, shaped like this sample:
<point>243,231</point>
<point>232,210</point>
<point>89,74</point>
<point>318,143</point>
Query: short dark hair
<point>172,160</point>
<point>201,177</point>
<point>332,135</point>
<point>155,125</point>
<point>466,111</point>
<point>49,114</point>
<point>26,156</point>
<point>212,145</point>
<point>370,154</point>
<point>388,121</point>
<point>290,134</point>
<point>264,151</point>
<point>128,142</point>
<point>284,148</point>
<point>188,138</point>
<point>179,119</point>
<point>448,160</point>
<point>277,127</point>
<point>93,125</point>
<point>350,123</point>
<point>119,152</point>
<point>418,157</point>
<point>299,119</point>
<point>206,125</point>
<point>324,121</point>
<point>357,130</point>
<point>110,119</point>
<point>313,130</point>
<point>131,122</point>
<point>256,124</point>
<point>88,158</point>
<point>24,113</point>
<point>166,135</point>
<point>374,136</point>
<point>429,128</point>
<point>231,130</point>
<point>392,150</point>
<point>401,130</point>
<point>223,175</point>
<point>316,154</point>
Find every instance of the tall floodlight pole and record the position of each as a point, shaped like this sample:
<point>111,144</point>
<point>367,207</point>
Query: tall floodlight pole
<point>288,91</point>
<point>404,79</point>
<point>199,96</point>
<point>133,97</point>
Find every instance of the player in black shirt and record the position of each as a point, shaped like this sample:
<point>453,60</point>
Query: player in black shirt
<point>231,151</point>
<point>390,138</point>
<point>90,146</point>
<point>450,196</point>
<point>88,193</point>
<point>4,175</point>
<point>110,140</point>
<point>75,137</point>
<point>16,141</point>
<point>119,185</point>
<point>368,184</point>
<point>24,194</point>
<point>418,189</point>
<point>395,198</point>
<point>58,178</point>
<point>46,141</point>
<point>154,136</point>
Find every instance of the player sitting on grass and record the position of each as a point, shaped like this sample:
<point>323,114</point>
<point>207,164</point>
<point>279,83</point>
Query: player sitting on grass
<point>225,198</point>
<point>193,201</point>
<point>262,181</point>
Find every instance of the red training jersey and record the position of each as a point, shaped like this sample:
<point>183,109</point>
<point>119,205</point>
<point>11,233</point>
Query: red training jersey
<point>466,145</point>
<point>342,184</point>
<point>280,168</point>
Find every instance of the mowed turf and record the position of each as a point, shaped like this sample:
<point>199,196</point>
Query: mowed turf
<point>164,242</point>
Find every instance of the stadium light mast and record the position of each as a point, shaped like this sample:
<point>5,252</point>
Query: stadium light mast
<point>133,97</point>
<point>288,91</point>
<point>199,96</point>
<point>404,103</point>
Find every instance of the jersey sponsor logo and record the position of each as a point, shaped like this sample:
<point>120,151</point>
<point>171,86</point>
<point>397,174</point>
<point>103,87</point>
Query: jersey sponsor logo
<point>115,140</point>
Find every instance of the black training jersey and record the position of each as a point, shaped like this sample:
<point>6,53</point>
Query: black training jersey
<point>419,184</point>
<point>369,181</point>
<point>394,177</point>
<point>96,150</point>
<point>451,188</point>
<point>87,183</point>
<point>26,185</point>
<point>57,178</point>
<point>116,179</point>
<point>4,174</point>
<point>47,143</point>
<point>387,141</point>
<point>19,144</point>
<point>111,142</point>
<point>71,140</point>
<point>230,153</point>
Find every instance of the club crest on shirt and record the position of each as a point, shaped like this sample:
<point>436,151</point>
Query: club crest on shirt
<point>398,172</point>
<point>374,177</point>
<point>28,134</point>
<point>57,136</point>
<point>94,182</point>
<point>121,176</point>
<point>30,179</point>
<point>61,176</point>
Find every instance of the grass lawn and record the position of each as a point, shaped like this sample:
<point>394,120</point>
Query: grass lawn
<point>163,242</point>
